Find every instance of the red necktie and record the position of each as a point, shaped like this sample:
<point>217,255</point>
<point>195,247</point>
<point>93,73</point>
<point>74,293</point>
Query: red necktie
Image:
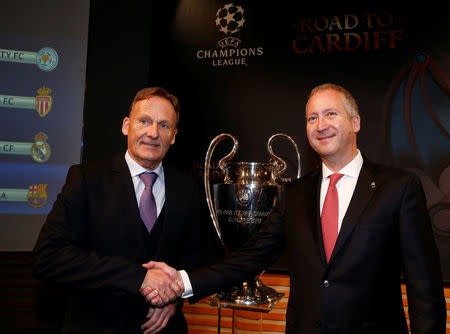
<point>330,215</point>
<point>147,206</point>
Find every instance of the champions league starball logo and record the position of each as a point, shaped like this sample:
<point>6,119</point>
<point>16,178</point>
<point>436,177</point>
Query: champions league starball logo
<point>230,20</point>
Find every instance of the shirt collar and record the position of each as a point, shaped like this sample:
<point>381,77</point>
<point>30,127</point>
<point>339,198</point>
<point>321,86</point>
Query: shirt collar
<point>352,169</point>
<point>136,169</point>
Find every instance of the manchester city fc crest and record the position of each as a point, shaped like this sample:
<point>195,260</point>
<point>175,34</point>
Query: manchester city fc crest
<point>40,150</point>
<point>37,195</point>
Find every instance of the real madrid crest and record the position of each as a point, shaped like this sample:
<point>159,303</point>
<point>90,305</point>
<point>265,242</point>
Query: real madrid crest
<point>40,150</point>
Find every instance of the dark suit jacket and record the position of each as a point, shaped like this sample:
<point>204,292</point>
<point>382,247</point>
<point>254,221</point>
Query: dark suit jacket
<point>94,242</point>
<point>386,232</point>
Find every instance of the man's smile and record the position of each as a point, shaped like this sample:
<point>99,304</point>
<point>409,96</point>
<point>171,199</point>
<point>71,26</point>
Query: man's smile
<point>325,137</point>
<point>150,144</point>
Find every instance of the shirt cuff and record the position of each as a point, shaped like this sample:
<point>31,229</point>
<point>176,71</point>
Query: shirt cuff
<point>187,285</point>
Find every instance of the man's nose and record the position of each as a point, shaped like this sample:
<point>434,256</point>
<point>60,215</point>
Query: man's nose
<point>322,123</point>
<point>153,131</point>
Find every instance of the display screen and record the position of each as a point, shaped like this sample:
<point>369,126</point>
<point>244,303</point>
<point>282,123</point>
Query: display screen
<point>43,46</point>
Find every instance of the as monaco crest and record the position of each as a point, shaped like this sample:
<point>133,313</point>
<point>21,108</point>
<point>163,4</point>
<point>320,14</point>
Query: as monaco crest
<point>37,195</point>
<point>43,101</point>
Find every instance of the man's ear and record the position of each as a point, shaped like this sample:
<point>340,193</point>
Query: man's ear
<point>174,135</point>
<point>356,121</point>
<point>125,125</point>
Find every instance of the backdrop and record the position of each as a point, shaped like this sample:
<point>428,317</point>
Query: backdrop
<point>246,68</point>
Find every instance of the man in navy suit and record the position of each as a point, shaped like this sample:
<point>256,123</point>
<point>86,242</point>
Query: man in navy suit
<point>94,242</point>
<point>349,283</point>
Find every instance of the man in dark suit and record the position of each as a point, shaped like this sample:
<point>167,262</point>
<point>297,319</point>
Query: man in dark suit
<point>94,242</point>
<point>347,252</point>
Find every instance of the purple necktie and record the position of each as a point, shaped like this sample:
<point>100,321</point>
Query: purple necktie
<point>147,207</point>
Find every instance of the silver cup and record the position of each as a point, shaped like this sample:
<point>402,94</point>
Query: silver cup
<point>241,203</point>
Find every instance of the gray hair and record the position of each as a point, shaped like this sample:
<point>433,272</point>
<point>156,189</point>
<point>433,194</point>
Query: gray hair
<point>349,102</point>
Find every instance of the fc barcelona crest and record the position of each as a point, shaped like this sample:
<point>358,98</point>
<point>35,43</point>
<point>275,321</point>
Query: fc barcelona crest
<point>40,150</point>
<point>44,101</point>
<point>37,195</point>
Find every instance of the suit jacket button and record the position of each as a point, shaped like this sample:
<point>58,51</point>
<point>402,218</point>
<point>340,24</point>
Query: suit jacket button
<point>326,284</point>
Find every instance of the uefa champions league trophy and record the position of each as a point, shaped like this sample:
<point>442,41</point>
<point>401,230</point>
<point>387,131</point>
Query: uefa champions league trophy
<point>241,203</point>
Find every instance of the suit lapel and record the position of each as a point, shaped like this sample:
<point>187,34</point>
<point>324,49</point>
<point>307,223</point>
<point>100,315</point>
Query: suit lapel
<point>314,209</point>
<point>170,186</point>
<point>365,188</point>
<point>120,168</point>
<point>163,223</point>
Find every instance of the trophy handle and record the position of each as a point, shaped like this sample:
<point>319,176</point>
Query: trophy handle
<point>222,162</point>
<point>279,161</point>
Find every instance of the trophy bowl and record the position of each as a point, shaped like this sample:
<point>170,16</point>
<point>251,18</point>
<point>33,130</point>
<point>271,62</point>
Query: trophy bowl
<point>239,206</point>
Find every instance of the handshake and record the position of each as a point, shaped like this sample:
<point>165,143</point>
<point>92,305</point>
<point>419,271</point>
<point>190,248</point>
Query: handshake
<point>162,284</point>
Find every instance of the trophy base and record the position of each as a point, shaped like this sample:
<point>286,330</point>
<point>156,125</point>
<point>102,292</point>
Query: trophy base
<point>249,293</point>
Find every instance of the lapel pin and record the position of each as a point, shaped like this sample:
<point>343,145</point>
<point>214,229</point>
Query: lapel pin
<point>372,185</point>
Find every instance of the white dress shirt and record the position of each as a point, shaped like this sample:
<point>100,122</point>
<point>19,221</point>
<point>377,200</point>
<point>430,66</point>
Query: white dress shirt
<point>345,186</point>
<point>158,190</point>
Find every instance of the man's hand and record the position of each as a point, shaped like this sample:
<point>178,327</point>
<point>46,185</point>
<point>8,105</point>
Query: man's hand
<point>158,318</point>
<point>162,284</point>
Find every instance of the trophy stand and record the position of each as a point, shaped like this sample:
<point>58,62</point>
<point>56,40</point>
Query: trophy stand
<point>261,308</point>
